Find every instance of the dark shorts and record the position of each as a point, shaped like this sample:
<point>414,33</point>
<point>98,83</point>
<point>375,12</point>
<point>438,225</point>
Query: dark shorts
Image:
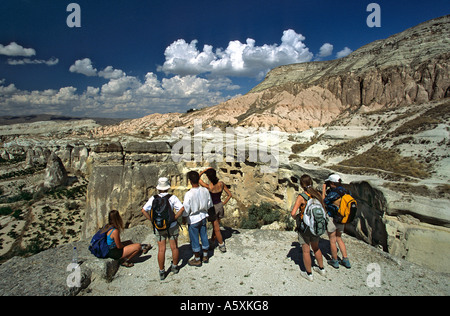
<point>216,212</point>
<point>115,253</point>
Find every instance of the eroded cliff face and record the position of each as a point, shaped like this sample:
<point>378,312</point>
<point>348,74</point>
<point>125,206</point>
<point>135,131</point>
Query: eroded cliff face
<point>406,68</point>
<point>124,180</point>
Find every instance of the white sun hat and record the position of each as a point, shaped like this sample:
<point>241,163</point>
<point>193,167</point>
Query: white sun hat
<point>163,184</point>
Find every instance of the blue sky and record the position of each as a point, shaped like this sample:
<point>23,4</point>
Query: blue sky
<point>133,58</point>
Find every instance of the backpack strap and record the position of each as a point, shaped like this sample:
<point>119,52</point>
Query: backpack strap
<point>305,196</point>
<point>111,231</point>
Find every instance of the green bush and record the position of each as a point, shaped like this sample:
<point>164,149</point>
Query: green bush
<point>6,210</point>
<point>258,216</point>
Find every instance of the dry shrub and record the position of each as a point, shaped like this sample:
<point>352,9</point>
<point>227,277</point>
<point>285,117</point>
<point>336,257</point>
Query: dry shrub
<point>388,160</point>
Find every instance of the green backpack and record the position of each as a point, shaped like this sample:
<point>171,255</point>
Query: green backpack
<point>314,216</point>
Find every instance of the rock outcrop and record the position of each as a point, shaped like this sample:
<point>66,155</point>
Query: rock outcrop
<point>55,173</point>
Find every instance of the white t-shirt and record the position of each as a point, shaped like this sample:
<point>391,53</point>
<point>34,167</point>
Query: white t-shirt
<point>196,203</point>
<point>175,203</point>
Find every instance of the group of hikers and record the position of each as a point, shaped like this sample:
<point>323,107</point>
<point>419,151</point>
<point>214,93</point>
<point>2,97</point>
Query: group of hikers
<point>314,212</point>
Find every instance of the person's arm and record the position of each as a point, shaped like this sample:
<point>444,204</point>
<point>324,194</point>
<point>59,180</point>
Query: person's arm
<point>177,206</point>
<point>147,208</point>
<point>146,214</point>
<point>179,213</point>
<point>227,192</point>
<point>324,191</point>
<point>201,182</point>
<point>297,205</point>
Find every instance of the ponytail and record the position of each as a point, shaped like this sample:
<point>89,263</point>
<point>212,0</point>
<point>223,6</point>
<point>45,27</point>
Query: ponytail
<point>307,185</point>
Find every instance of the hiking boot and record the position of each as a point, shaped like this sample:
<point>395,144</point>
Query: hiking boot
<point>162,274</point>
<point>307,276</point>
<point>346,263</point>
<point>205,259</point>
<point>195,263</point>
<point>322,271</point>
<point>334,263</point>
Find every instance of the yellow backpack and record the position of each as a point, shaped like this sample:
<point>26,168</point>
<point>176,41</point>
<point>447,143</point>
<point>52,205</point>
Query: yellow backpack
<point>347,209</point>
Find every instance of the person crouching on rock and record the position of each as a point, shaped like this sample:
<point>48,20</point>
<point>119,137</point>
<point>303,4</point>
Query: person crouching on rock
<point>154,211</point>
<point>118,250</point>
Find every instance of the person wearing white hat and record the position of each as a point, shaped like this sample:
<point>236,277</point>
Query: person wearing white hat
<point>332,193</point>
<point>172,232</point>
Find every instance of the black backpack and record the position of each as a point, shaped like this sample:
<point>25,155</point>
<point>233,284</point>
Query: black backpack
<point>162,214</point>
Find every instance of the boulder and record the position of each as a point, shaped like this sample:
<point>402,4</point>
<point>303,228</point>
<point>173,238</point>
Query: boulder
<point>55,173</point>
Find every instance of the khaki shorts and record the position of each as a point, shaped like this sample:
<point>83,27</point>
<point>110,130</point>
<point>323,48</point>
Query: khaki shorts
<point>332,226</point>
<point>172,233</point>
<point>216,212</point>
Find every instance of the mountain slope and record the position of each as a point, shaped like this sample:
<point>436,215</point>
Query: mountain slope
<point>410,67</point>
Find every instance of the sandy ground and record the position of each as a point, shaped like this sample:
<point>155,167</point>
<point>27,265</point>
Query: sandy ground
<point>260,263</point>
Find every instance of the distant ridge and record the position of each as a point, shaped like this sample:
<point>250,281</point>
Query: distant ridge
<point>20,119</point>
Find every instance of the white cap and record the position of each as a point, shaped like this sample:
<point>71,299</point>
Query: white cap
<point>333,178</point>
<point>163,184</point>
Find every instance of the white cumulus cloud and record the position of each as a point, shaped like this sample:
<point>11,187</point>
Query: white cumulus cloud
<point>238,59</point>
<point>83,66</point>
<point>345,52</point>
<point>121,96</point>
<point>326,50</point>
<point>14,49</point>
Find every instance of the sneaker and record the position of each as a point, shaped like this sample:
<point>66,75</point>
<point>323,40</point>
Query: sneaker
<point>162,274</point>
<point>322,271</point>
<point>334,263</point>
<point>175,269</point>
<point>307,276</point>
<point>346,263</point>
<point>195,263</point>
<point>222,248</point>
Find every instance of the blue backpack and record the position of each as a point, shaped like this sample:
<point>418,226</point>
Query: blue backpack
<point>98,246</point>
